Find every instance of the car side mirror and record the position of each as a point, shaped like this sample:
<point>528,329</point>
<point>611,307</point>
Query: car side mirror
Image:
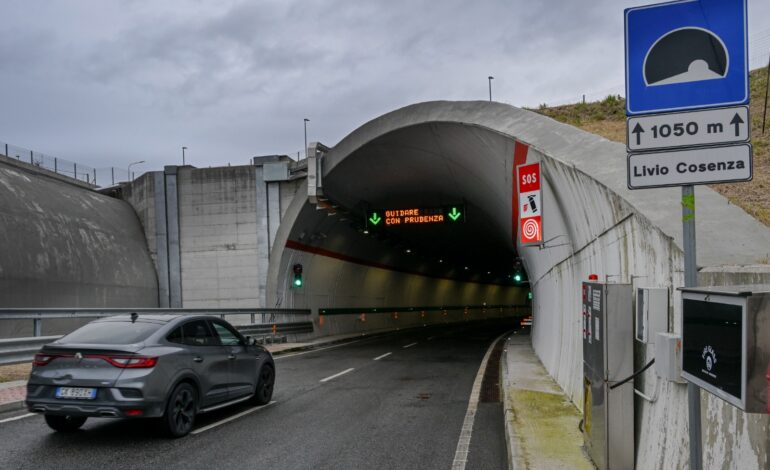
<point>251,341</point>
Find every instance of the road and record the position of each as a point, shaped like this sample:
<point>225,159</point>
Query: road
<point>395,401</point>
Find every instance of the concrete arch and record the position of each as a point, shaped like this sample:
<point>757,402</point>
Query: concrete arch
<point>429,153</point>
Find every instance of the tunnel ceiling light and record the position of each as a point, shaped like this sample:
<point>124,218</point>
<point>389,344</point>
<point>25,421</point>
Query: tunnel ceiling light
<point>441,261</point>
<point>466,268</point>
<point>408,250</point>
<point>366,232</point>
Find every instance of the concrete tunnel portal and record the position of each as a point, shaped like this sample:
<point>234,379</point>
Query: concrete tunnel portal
<point>424,165</point>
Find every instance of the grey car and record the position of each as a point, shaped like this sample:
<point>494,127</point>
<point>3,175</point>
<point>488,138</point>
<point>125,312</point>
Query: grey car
<point>150,366</point>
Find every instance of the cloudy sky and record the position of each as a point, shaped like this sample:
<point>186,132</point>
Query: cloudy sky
<point>108,82</point>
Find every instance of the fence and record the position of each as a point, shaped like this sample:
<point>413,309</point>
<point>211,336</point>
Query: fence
<point>94,176</point>
<point>266,323</point>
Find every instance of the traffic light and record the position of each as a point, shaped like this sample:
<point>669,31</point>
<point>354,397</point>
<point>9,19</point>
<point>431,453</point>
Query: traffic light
<point>529,295</point>
<point>517,276</point>
<point>297,275</point>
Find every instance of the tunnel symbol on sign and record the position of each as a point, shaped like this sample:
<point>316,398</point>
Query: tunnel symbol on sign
<point>686,55</point>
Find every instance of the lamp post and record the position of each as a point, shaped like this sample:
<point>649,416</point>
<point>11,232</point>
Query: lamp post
<point>490,78</point>
<point>183,149</point>
<point>306,121</point>
<point>129,168</point>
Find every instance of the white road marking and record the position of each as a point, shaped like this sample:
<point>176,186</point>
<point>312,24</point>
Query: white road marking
<point>337,375</point>
<point>230,418</point>
<point>464,443</point>
<point>16,418</point>
<point>409,345</point>
<point>383,356</point>
<point>284,356</point>
<point>430,338</point>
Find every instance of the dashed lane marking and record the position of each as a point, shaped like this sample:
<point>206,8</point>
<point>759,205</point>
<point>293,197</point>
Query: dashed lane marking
<point>285,356</point>
<point>16,418</point>
<point>230,418</point>
<point>409,345</point>
<point>337,375</point>
<point>383,356</point>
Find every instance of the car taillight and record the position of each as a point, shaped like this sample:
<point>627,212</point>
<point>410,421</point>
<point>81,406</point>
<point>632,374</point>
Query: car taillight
<point>42,359</point>
<point>130,362</point>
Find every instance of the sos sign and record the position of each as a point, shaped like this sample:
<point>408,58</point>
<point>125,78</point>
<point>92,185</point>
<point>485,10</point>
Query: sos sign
<point>530,208</point>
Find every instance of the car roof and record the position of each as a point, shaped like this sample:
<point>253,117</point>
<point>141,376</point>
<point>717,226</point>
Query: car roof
<point>154,317</point>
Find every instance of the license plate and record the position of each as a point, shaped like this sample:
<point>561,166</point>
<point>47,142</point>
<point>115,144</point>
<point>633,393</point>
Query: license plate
<point>76,392</point>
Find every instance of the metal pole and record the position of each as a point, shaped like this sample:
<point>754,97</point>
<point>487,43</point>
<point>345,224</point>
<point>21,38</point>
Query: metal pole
<point>55,165</point>
<point>306,121</point>
<point>31,158</point>
<point>75,166</point>
<point>94,175</point>
<point>183,161</point>
<point>691,280</point>
<point>6,150</point>
<point>38,327</point>
<point>112,170</point>
<point>767,87</point>
<point>489,79</point>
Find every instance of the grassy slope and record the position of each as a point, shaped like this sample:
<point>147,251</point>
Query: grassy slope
<point>607,118</point>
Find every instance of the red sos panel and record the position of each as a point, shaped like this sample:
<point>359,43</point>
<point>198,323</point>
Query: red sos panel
<point>530,204</point>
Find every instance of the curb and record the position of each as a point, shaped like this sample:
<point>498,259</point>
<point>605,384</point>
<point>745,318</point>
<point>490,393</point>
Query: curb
<point>11,406</point>
<point>515,460</point>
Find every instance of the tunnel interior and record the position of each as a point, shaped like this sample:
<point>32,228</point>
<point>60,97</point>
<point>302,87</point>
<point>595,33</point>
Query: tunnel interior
<point>422,166</point>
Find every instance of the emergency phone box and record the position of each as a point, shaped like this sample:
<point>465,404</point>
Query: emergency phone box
<point>726,343</point>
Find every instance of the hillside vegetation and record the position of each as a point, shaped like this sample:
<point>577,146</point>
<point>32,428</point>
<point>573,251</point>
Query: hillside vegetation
<point>607,118</point>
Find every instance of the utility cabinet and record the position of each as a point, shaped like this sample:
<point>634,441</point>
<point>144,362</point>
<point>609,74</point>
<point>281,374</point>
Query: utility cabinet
<point>608,408</point>
<point>726,343</point>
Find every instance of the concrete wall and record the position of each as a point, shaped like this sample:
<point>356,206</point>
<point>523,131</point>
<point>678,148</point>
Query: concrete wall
<point>67,246</point>
<point>209,232</point>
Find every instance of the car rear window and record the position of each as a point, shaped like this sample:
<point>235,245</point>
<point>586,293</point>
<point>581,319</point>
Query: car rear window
<point>112,332</point>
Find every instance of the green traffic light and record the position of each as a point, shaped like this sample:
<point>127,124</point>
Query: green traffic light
<point>517,277</point>
<point>297,282</point>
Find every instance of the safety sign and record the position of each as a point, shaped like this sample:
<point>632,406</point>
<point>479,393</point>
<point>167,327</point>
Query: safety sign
<point>687,54</point>
<point>530,204</point>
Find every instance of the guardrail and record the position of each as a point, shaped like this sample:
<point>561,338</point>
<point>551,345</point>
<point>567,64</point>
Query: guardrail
<point>261,322</point>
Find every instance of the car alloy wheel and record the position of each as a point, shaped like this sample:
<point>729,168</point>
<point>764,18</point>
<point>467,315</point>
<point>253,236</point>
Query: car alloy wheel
<point>181,409</point>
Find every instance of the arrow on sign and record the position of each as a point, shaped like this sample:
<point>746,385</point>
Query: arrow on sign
<point>638,130</point>
<point>375,219</point>
<point>737,121</point>
<point>455,214</point>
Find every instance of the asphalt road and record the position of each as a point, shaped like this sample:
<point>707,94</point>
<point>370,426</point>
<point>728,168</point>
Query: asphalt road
<point>402,410</point>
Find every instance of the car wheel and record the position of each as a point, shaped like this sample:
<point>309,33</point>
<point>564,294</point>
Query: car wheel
<point>180,410</point>
<point>65,423</point>
<point>264,391</point>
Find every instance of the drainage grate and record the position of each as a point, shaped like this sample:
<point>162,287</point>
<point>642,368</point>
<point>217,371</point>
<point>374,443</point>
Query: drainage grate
<point>490,386</point>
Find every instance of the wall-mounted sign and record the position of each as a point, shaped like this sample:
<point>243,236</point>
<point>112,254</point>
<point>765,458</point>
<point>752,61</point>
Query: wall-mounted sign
<point>415,216</point>
<point>530,204</point>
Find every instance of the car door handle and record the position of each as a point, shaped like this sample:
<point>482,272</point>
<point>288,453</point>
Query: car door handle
<point>198,359</point>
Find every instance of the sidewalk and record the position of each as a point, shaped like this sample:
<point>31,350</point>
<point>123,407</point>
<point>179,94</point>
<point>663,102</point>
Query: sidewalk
<point>541,424</point>
<point>12,393</point>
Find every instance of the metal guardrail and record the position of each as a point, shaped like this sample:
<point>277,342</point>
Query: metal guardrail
<point>263,322</point>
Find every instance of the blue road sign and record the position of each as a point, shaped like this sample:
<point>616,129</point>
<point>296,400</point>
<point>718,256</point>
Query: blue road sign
<point>686,55</point>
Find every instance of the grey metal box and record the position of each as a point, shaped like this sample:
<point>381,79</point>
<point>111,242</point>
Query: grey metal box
<point>726,343</point>
<point>608,408</point>
<point>668,357</point>
<point>651,313</point>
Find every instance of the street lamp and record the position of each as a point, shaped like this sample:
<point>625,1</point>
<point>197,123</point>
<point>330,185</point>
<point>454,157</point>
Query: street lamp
<point>306,121</point>
<point>183,149</point>
<point>129,168</point>
<point>490,78</point>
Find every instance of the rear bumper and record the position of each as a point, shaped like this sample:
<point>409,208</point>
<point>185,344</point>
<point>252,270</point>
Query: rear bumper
<point>96,410</point>
<point>109,403</point>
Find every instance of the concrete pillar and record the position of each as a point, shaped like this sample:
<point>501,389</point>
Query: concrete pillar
<point>161,238</point>
<point>263,233</point>
<point>273,212</point>
<point>172,229</point>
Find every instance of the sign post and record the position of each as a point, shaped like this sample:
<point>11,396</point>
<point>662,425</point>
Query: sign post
<point>683,56</point>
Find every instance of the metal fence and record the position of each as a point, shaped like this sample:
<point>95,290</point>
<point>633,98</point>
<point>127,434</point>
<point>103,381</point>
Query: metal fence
<point>262,323</point>
<point>99,177</point>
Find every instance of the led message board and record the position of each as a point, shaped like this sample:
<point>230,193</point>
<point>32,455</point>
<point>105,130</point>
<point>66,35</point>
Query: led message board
<point>376,218</point>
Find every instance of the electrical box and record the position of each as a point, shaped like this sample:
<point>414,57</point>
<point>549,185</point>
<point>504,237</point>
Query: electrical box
<point>608,408</point>
<point>726,343</point>
<point>651,313</point>
<point>668,357</point>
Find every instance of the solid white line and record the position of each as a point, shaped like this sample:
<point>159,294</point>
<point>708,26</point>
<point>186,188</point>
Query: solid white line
<point>337,375</point>
<point>409,345</point>
<point>464,443</point>
<point>16,418</point>
<point>383,356</point>
<point>231,418</point>
<point>284,356</point>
